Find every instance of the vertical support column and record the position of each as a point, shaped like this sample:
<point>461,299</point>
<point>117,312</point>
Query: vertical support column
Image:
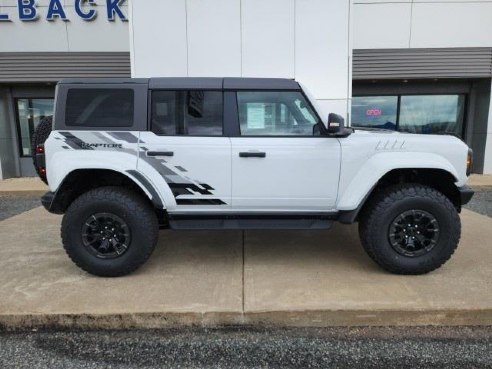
<point>487,162</point>
<point>9,166</point>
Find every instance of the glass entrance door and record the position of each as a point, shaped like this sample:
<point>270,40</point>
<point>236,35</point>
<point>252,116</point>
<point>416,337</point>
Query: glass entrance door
<point>29,113</point>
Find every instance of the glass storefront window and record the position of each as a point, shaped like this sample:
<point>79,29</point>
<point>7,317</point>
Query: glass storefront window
<point>29,113</point>
<point>411,113</point>
<point>374,111</point>
<point>432,114</point>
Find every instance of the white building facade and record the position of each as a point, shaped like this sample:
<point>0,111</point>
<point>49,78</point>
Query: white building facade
<point>418,66</point>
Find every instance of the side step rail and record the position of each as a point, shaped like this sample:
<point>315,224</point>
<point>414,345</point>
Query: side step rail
<point>251,221</point>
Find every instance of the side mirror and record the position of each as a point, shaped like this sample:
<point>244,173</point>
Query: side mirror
<point>336,123</point>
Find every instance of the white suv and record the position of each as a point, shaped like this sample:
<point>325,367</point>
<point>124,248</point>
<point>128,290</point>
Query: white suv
<point>126,157</point>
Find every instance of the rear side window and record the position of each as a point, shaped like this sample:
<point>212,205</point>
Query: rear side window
<point>97,107</point>
<point>192,113</point>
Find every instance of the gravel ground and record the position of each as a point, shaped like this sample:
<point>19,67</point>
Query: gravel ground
<point>481,201</point>
<point>11,205</point>
<point>438,347</point>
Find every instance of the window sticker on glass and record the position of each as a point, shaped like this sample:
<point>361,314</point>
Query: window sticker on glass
<point>256,115</point>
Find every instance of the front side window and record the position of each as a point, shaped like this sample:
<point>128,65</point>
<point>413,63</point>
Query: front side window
<point>192,113</point>
<point>95,107</point>
<point>29,113</point>
<point>275,113</point>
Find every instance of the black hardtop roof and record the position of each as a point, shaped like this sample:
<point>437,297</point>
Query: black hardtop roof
<point>228,83</point>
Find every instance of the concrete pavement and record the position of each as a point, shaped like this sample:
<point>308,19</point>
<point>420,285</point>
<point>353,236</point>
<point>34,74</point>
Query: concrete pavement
<point>22,185</point>
<point>480,180</point>
<point>292,278</point>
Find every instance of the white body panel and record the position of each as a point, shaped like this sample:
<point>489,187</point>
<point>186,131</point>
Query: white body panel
<point>367,156</point>
<point>65,153</point>
<point>197,163</point>
<point>296,174</point>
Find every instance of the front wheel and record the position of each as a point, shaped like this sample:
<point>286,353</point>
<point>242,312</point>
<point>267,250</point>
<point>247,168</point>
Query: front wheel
<point>410,229</point>
<point>109,231</point>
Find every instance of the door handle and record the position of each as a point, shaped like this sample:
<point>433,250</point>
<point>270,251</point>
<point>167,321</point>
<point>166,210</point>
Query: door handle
<point>160,153</point>
<point>252,154</point>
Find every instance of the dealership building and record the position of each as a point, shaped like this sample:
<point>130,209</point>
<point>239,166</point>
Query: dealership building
<point>420,66</point>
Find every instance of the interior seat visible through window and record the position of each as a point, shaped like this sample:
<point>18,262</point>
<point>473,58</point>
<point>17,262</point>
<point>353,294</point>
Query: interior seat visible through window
<point>192,113</point>
<point>275,113</point>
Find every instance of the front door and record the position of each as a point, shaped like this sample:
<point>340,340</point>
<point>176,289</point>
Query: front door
<point>278,162</point>
<point>187,148</point>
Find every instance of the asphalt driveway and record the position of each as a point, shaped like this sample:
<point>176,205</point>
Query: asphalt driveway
<point>300,348</point>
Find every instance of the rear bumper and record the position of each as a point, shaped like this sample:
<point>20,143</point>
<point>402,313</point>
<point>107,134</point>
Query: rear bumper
<point>466,193</point>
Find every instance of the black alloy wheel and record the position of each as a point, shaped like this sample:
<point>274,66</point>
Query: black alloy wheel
<point>106,235</point>
<point>414,233</point>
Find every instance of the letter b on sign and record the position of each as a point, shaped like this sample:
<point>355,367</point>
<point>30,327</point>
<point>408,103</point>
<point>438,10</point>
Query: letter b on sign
<point>27,10</point>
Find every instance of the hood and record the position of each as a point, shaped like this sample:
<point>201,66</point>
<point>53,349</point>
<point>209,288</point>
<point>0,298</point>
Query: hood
<point>372,131</point>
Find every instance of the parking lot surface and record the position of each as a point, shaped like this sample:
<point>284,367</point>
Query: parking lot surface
<point>351,348</point>
<point>293,278</point>
<point>481,201</point>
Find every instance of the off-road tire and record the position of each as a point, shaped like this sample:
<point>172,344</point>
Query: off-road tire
<point>378,215</point>
<point>39,136</point>
<point>127,205</point>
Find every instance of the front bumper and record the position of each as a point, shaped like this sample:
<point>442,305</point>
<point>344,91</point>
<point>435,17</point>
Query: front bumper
<point>47,200</point>
<point>466,193</point>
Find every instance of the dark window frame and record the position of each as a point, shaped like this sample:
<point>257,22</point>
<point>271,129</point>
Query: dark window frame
<point>149,110</point>
<point>139,105</point>
<point>398,107</point>
<point>17,120</point>
<point>237,129</point>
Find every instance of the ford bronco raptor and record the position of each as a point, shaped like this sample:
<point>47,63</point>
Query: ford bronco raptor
<point>126,157</point>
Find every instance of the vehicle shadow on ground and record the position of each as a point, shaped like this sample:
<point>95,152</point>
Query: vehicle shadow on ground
<point>338,246</point>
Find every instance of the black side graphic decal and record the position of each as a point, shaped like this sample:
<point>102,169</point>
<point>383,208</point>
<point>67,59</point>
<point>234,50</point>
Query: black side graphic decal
<point>75,142</point>
<point>200,202</point>
<point>179,184</point>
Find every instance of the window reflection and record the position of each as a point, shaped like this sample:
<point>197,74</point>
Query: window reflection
<point>410,113</point>
<point>30,113</point>
<point>431,114</point>
<point>275,113</point>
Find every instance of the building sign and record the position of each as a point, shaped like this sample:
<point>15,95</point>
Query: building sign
<point>374,112</point>
<point>28,10</point>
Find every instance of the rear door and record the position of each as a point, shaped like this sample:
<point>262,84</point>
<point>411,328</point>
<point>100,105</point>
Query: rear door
<point>186,147</point>
<point>279,161</point>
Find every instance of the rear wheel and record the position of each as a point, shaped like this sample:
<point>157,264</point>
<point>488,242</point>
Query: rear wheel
<point>109,231</point>
<point>410,229</point>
